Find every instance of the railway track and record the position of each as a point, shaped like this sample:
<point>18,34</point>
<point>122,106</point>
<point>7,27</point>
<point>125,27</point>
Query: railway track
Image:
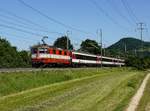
<point>9,70</point>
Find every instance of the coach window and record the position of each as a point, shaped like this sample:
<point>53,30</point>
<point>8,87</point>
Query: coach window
<point>65,53</point>
<point>54,51</point>
<point>60,52</point>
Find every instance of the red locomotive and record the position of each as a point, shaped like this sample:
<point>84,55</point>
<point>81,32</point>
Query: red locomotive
<point>45,55</point>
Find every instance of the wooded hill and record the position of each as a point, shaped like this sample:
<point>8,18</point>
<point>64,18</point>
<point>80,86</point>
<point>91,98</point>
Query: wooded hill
<point>130,46</point>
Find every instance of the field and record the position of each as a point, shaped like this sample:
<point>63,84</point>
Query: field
<point>108,89</point>
<point>145,101</point>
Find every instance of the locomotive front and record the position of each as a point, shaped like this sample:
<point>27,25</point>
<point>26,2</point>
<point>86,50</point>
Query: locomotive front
<point>39,55</point>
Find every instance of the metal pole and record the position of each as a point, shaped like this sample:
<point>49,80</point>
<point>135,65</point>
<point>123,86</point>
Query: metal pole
<point>104,50</point>
<point>141,28</point>
<point>67,39</point>
<point>101,45</point>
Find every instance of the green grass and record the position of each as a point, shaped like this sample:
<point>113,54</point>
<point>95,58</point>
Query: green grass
<point>144,104</point>
<point>85,90</point>
<point>20,81</point>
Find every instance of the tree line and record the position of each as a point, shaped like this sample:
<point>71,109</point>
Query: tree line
<point>10,57</point>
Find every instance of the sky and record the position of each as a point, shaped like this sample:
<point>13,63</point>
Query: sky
<point>24,27</point>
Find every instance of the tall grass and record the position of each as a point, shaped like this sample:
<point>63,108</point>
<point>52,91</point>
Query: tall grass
<point>20,81</point>
<point>99,90</point>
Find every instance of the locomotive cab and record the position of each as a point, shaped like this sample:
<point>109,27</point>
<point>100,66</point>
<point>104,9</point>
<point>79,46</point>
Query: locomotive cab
<point>38,55</point>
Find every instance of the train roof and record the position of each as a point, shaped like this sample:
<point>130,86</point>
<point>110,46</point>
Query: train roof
<point>46,46</point>
<point>42,45</point>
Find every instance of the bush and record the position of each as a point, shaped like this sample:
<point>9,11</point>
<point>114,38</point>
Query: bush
<point>138,62</point>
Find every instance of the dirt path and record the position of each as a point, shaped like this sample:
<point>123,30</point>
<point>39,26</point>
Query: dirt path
<point>136,98</point>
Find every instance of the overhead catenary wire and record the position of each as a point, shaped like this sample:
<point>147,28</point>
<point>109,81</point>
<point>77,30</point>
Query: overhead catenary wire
<point>52,19</point>
<point>129,11</point>
<point>117,10</point>
<point>16,37</point>
<point>106,14</point>
<point>40,27</point>
<point>27,27</point>
<point>21,30</point>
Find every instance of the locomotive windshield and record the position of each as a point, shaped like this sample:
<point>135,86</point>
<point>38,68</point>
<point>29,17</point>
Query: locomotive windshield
<point>34,50</point>
<point>39,50</point>
<point>43,50</point>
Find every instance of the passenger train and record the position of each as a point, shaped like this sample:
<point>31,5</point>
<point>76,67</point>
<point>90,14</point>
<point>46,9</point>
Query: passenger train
<point>44,55</point>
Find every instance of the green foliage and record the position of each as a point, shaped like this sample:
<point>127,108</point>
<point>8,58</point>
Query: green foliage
<point>26,57</point>
<point>138,62</point>
<point>90,46</point>
<point>62,43</point>
<point>133,47</point>
<point>9,56</point>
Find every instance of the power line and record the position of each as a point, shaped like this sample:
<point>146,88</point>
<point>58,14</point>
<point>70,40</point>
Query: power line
<point>50,18</point>
<point>16,37</point>
<point>41,28</point>
<point>21,18</point>
<point>105,13</point>
<point>129,11</point>
<point>27,27</point>
<point>18,29</point>
<point>114,6</point>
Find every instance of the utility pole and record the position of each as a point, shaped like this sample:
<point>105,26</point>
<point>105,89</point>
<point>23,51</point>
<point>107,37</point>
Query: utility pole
<point>141,28</point>
<point>104,50</point>
<point>101,43</point>
<point>125,48</point>
<point>135,52</point>
<point>67,34</point>
<point>99,35</point>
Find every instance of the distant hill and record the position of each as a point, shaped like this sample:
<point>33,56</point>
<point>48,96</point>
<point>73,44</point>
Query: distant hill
<point>133,46</point>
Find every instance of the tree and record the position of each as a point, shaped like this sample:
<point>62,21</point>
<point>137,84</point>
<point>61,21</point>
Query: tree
<point>25,57</point>
<point>90,46</point>
<point>62,43</point>
<point>9,56</point>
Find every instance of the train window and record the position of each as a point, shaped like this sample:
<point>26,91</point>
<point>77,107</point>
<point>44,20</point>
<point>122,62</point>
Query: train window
<point>83,57</point>
<point>65,53</point>
<point>54,51</point>
<point>107,60</point>
<point>43,50</point>
<point>60,52</point>
<point>34,50</point>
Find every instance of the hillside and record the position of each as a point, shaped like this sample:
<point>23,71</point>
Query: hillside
<point>133,46</point>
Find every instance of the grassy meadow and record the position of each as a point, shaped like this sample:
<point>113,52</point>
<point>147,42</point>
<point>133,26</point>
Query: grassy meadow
<point>107,89</point>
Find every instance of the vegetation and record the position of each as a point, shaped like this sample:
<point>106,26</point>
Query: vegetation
<point>138,62</point>
<point>144,104</point>
<point>10,57</point>
<point>62,43</point>
<point>19,81</point>
<point>133,47</point>
<point>90,46</point>
<point>86,90</point>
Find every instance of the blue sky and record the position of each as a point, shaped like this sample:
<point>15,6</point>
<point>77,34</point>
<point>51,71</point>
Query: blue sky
<point>80,14</point>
